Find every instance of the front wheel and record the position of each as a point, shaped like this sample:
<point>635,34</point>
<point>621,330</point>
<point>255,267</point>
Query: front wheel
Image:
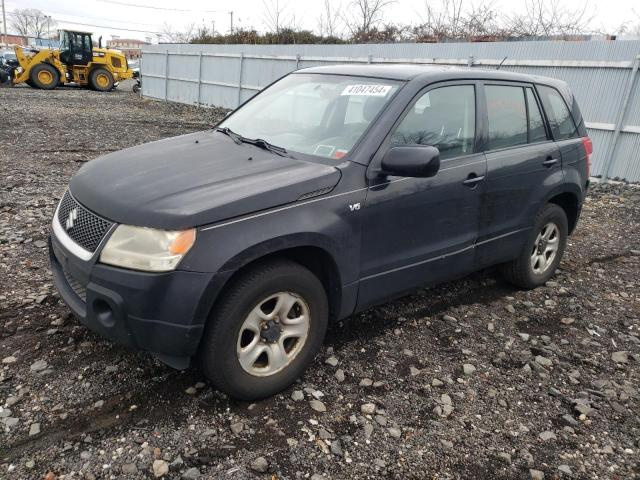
<point>543,250</point>
<point>265,330</point>
<point>101,80</point>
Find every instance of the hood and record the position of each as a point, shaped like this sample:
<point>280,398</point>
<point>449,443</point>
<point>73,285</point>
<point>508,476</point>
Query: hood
<point>193,180</point>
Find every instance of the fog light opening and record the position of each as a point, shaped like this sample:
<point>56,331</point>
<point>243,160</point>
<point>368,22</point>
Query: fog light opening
<point>104,313</point>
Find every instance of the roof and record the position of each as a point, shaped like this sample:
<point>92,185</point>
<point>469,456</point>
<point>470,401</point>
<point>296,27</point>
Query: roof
<point>427,73</point>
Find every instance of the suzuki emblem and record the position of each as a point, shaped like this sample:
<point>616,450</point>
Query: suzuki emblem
<point>73,215</point>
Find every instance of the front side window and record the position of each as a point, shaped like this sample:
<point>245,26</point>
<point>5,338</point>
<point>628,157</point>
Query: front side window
<point>560,120</point>
<point>315,114</point>
<point>444,117</point>
<point>507,116</point>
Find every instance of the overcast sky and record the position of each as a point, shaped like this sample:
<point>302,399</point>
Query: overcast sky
<point>111,17</point>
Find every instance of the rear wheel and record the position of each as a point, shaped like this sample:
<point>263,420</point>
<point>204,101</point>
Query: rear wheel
<point>543,250</point>
<point>44,76</point>
<point>265,330</point>
<point>101,80</point>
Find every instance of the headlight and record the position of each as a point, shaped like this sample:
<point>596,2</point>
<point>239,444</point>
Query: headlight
<point>147,249</point>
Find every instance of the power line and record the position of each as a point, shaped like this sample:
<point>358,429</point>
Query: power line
<point>154,7</point>
<point>91,25</point>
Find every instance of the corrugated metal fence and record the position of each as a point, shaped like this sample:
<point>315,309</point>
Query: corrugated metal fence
<point>602,74</point>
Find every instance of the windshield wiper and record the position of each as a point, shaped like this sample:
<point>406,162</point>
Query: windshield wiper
<point>258,142</point>
<point>234,136</point>
<point>262,143</point>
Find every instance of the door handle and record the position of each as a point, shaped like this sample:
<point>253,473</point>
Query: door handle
<point>472,180</point>
<point>550,162</point>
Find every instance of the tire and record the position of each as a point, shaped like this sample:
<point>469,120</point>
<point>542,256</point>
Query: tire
<point>101,79</point>
<point>44,76</point>
<point>536,264</point>
<point>228,334</point>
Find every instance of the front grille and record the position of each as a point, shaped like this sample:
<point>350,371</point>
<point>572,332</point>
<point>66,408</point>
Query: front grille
<point>86,228</point>
<point>79,289</point>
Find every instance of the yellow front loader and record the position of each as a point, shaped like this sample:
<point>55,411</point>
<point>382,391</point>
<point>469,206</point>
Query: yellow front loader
<point>75,61</point>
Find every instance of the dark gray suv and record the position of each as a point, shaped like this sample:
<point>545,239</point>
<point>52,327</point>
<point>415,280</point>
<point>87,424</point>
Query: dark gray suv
<point>332,190</point>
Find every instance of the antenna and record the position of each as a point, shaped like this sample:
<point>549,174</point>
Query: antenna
<point>500,64</point>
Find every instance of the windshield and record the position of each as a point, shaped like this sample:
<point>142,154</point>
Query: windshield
<point>322,115</point>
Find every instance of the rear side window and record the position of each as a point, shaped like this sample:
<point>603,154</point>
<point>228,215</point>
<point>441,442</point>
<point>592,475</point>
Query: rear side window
<point>560,120</point>
<point>507,116</point>
<point>445,118</point>
<point>537,132</point>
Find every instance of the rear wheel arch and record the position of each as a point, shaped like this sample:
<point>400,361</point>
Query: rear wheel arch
<point>569,202</point>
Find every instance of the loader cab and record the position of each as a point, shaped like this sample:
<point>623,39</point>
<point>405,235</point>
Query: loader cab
<point>76,48</point>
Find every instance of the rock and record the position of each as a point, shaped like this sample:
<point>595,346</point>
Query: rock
<point>192,474</point>
<point>40,244</point>
<point>10,422</point>
<point>449,319</point>
<point>111,369</point>
<point>567,320</point>
<point>85,455</point>
<point>333,361</point>
<point>38,366</point>
<point>318,406</point>
<point>446,443</point>
<point>394,432</point>
<point>565,469</point>
<point>436,383</point>
<point>544,361</point>
<point>445,399</point>
<point>620,357</point>
<point>236,427</point>
<point>160,468</point>
<point>98,404</point>
<point>368,408</point>
<point>30,464</point>
<point>129,468</point>
<point>414,371</point>
<point>9,359</point>
<point>510,308</point>
<point>366,382</point>
<point>536,474</point>
<point>34,429</point>
<point>546,436</point>
<point>468,369</point>
<point>504,457</point>
<point>297,395</point>
<point>368,429</point>
<point>191,391</point>
<point>260,465</point>
<point>336,448</point>
<point>339,375</point>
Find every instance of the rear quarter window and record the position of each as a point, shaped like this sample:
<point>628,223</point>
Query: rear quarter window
<point>507,116</point>
<point>560,119</point>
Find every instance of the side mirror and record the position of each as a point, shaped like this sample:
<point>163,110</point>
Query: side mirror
<point>411,161</point>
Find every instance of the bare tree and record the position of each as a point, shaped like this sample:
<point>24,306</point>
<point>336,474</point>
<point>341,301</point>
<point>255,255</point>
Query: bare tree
<point>328,23</point>
<point>168,35</point>
<point>31,22</point>
<point>275,16</point>
<point>549,17</point>
<point>458,19</point>
<point>363,16</point>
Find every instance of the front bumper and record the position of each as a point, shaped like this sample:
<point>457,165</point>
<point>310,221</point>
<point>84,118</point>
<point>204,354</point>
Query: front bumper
<point>162,313</point>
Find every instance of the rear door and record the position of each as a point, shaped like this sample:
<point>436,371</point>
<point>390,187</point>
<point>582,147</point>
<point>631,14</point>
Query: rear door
<point>523,165</point>
<point>422,230</point>
<point>565,131</point>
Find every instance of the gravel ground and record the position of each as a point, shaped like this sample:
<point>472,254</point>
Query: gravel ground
<point>472,379</point>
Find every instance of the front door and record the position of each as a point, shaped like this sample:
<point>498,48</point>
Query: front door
<point>423,230</point>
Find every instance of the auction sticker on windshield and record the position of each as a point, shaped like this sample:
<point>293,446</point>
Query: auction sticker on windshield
<point>368,90</point>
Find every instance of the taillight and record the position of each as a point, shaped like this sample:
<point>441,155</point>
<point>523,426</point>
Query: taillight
<point>588,147</point>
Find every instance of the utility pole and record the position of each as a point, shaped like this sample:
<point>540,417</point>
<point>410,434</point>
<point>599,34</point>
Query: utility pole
<point>230,15</point>
<point>48,30</point>
<point>4,22</point>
